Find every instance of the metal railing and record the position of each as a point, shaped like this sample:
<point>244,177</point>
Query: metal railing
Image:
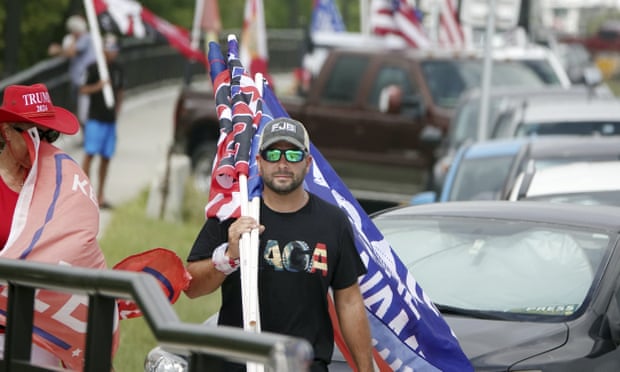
<point>147,62</point>
<point>203,344</point>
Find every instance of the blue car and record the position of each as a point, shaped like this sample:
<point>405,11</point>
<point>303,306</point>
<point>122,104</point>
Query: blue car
<point>487,170</point>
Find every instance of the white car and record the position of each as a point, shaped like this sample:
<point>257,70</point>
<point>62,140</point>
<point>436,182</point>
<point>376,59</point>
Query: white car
<point>587,116</point>
<point>591,183</point>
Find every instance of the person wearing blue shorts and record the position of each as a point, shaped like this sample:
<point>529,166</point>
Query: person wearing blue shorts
<point>100,129</point>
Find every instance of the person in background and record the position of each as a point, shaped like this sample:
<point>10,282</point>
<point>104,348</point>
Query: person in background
<point>49,214</point>
<point>100,129</point>
<point>78,46</point>
<point>306,246</point>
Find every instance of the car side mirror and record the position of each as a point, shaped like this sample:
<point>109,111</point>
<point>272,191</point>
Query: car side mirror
<point>431,136</point>
<point>425,197</point>
<point>608,332</point>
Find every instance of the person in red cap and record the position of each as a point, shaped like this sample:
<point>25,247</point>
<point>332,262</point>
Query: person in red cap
<point>49,214</point>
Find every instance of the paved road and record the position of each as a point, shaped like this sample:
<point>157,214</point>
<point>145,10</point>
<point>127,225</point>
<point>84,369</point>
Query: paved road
<point>144,134</point>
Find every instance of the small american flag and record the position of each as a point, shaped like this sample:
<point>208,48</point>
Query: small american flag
<point>398,18</point>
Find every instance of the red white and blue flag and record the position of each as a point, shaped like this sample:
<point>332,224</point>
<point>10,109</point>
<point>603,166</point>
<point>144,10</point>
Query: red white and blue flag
<point>326,17</point>
<point>239,110</point>
<point>398,18</point>
<point>409,333</point>
<point>130,18</point>
<point>450,30</point>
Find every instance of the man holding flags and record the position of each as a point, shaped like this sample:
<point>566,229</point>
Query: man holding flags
<point>306,247</point>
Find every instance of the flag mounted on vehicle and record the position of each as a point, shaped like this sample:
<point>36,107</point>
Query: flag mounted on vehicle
<point>450,30</point>
<point>326,17</point>
<point>130,18</point>
<point>398,19</point>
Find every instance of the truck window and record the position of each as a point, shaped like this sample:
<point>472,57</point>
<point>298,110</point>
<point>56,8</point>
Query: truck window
<point>345,78</point>
<point>389,75</point>
<point>445,80</point>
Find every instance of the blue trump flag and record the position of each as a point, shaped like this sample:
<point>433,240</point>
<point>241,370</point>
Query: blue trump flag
<point>326,17</point>
<point>409,333</point>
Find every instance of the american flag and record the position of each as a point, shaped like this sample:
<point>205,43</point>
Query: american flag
<point>130,18</point>
<point>398,18</point>
<point>239,110</point>
<point>450,30</point>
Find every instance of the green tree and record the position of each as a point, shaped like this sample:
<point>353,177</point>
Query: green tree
<point>43,21</point>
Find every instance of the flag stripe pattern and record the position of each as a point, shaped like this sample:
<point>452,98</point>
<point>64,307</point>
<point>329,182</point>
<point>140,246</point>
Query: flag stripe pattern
<point>239,110</point>
<point>450,30</point>
<point>397,17</point>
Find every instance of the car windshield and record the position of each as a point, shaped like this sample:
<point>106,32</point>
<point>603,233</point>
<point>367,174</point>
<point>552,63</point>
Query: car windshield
<point>605,128</point>
<point>586,198</point>
<point>465,124</point>
<point>493,265</point>
<point>543,70</point>
<point>448,79</point>
<point>480,178</point>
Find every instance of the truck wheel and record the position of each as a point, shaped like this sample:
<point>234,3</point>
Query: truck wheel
<point>202,163</point>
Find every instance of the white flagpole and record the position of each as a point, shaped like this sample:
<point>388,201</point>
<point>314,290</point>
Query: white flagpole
<point>95,35</point>
<point>254,211</point>
<point>248,254</point>
<point>198,10</point>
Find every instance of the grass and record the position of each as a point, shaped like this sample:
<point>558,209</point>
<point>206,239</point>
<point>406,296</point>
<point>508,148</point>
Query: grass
<point>130,231</point>
<point>614,85</point>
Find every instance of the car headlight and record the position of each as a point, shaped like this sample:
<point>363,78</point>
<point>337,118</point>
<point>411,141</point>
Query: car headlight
<point>159,360</point>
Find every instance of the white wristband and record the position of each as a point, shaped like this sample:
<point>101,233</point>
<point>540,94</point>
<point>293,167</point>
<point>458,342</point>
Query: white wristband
<point>222,262</point>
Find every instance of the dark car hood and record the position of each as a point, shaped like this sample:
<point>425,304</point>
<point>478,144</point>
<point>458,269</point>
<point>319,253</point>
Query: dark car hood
<point>502,343</point>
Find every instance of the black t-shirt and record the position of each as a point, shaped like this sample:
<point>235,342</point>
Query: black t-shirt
<point>97,108</point>
<point>301,254</point>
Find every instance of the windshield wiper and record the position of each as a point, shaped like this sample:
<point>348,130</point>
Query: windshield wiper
<point>478,314</point>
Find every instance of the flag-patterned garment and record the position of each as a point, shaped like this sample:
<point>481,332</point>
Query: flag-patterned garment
<point>129,17</point>
<point>239,110</point>
<point>409,333</point>
<point>56,221</point>
<point>398,18</point>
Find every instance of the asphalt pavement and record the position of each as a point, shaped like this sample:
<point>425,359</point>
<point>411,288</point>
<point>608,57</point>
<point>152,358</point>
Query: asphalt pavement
<point>144,135</point>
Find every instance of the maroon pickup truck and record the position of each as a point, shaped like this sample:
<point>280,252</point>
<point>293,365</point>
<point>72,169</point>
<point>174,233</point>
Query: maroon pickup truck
<point>376,116</point>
